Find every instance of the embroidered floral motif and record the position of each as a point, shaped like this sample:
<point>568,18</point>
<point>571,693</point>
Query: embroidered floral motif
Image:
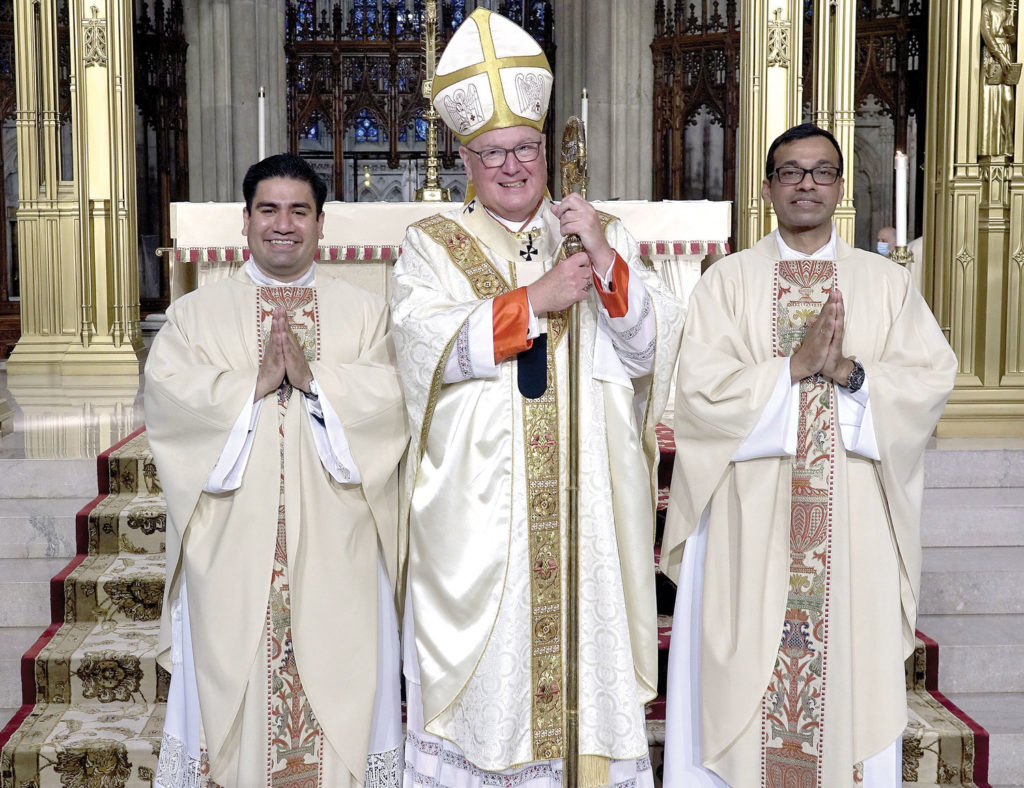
<point>110,677</point>
<point>139,599</point>
<point>104,764</point>
<point>794,702</point>
<point>148,519</point>
<point>176,767</point>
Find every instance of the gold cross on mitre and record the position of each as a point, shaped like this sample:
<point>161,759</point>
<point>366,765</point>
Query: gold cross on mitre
<point>492,75</point>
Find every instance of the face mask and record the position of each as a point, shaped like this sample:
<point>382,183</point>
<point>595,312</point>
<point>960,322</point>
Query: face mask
<point>883,248</point>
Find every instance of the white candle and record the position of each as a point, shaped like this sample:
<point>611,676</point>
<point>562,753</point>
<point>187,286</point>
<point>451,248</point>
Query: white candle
<point>583,111</point>
<point>262,126</point>
<point>901,199</point>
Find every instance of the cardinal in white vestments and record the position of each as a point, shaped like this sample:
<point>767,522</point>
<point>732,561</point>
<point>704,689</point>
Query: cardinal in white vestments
<point>811,376</point>
<point>479,306</point>
<point>277,423</point>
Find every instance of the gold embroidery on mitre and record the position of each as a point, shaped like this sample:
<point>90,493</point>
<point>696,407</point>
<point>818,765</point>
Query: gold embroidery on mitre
<point>530,94</point>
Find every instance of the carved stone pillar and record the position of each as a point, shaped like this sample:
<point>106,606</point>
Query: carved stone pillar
<point>234,47</point>
<point>76,185</point>
<point>771,44</point>
<point>974,211</point>
<point>604,46</point>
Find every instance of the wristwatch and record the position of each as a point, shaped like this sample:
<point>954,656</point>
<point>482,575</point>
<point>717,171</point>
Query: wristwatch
<point>314,390</point>
<point>856,379</point>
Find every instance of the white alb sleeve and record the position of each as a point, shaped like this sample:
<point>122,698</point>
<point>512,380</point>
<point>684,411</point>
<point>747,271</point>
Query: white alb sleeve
<point>227,473</point>
<point>774,435</point>
<point>855,421</point>
<point>331,442</point>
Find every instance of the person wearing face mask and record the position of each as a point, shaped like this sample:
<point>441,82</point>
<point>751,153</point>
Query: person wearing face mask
<point>480,299</point>
<point>811,375</point>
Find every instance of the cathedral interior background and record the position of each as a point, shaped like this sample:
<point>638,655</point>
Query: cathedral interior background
<point>353,106</point>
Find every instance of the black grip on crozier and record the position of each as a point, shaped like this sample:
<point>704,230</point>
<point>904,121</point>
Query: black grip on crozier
<point>532,366</point>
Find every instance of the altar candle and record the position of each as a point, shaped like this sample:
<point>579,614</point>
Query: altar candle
<point>901,199</point>
<point>583,111</point>
<point>262,125</point>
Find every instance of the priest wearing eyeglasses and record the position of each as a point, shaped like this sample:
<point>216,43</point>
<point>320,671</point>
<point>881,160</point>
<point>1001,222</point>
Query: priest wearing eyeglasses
<point>480,314</point>
<point>811,376</point>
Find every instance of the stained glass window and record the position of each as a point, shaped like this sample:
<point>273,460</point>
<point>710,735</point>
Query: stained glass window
<point>367,129</point>
<point>312,129</point>
<point>364,14</point>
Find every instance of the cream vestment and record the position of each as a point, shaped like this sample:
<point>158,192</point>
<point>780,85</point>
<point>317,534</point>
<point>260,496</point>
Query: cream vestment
<point>292,543</point>
<point>486,486</point>
<point>839,589</point>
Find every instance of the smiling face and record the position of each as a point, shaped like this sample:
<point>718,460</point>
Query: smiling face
<point>283,228</point>
<point>804,208</point>
<point>512,190</point>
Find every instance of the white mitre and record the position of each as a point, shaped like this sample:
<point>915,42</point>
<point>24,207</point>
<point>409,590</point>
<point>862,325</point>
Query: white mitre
<point>492,75</point>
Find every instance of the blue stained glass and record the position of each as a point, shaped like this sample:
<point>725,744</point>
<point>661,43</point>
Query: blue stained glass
<point>312,130</point>
<point>421,130</point>
<point>367,129</point>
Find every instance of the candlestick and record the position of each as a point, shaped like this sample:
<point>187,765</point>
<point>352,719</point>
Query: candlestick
<point>901,198</point>
<point>583,112</point>
<point>262,125</point>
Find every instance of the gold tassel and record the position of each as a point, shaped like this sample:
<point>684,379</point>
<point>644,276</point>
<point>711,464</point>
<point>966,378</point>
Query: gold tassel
<point>593,771</point>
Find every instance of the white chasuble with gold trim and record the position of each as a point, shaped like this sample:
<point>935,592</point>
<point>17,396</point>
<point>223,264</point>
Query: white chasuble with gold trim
<point>487,509</point>
<point>812,564</point>
<point>285,568</point>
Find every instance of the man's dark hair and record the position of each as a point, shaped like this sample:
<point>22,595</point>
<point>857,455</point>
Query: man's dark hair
<point>284,165</point>
<point>801,132</point>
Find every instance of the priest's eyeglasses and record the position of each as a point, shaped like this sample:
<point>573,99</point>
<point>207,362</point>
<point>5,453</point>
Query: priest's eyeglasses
<point>495,157</point>
<point>791,176</point>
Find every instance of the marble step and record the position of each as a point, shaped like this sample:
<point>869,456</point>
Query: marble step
<point>979,653</point>
<point>972,580</point>
<point>1002,715</point>
<point>38,527</point>
<point>47,478</point>
<point>114,588</point>
<point>975,465</point>
<point>988,516</point>
<point>25,590</point>
<point>14,642</point>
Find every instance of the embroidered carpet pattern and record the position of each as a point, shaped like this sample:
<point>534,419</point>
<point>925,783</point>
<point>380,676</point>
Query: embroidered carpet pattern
<point>94,696</point>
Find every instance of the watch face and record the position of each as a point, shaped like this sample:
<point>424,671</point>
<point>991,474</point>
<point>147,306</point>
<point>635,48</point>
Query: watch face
<point>856,379</point>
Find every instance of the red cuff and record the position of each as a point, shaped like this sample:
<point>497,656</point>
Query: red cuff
<point>615,299</point>
<point>511,317</point>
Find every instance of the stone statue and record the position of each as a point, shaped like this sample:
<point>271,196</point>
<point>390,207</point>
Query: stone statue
<point>999,75</point>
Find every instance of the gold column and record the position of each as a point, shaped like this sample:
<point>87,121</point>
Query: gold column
<point>974,214</point>
<point>77,229</point>
<point>771,48</point>
<point>835,56</point>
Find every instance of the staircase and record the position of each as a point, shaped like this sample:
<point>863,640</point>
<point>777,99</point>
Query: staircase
<point>37,538</point>
<point>972,597</point>
<point>99,695</point>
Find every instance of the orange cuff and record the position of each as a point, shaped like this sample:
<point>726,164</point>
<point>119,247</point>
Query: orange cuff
<point>615,300</point>
<point>511,316</point>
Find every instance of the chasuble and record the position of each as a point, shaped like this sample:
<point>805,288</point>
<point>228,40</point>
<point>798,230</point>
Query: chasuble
<point>283,573</point>
<point>809,585</point>
<point>486,491</point>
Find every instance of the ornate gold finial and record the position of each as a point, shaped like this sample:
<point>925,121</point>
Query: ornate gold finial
<point>574,170</point>
<point>431,190</point>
